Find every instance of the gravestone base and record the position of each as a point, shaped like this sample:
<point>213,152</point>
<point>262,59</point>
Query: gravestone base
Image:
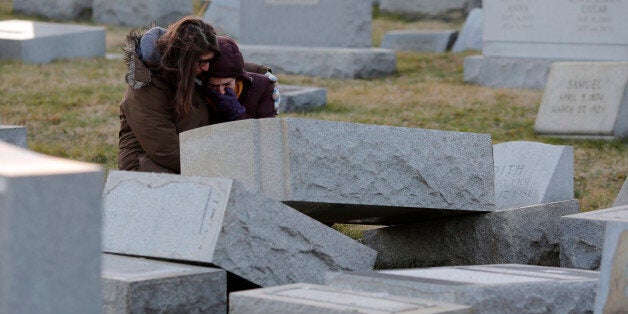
<point>507,72</point>
<point>13,134</point>
<point>421,41</point>
<point>301,98</point>
<point>41,42</point>
<point>350,63</point>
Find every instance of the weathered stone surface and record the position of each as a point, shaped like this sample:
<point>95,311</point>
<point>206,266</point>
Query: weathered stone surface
<point>508,288</point>
<point>42,42</point>
<point>612,291</point>
<point>527,235</point>
<point>415,40</point>
<point>446,9</point>
<point>529,173</point>
<point>50,214</point>
<point>218,221</point>
<point>13,134</point>
<point>64,10</point>
<point>310,23</point>
<point>585,99</point>
<point>470,37</point>
<point>140,12</point>
<point>301,98</point>
<point>138,285</point>
<point>583,236</point>
<point>349,172</point>
<point>308,298</point>
<point>622,196</point>
<point>507,72</point>
<point>324,62</point>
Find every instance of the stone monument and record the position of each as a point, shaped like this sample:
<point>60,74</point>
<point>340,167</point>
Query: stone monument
<point>622,196</point>
<point>433,9</point>
<point>64,10</point>
<point>470,36</point>
<point>612,291</point>
<point>140,13</point>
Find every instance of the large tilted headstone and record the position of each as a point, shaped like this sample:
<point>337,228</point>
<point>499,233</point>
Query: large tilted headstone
<point>612,291</point>
<point>50,223</point>
<point>505,288</point>
<point>622,196</point>
<point>14,134</point>
<point>435,9</point>
<point>526,235</point>
<point>42,42</point>
<point>65,10</point>
<point>325,38</point>
<point>529,173</point>
<point>523,38</point>
<point>139,285</point>
<point>140,12</point>
<point>219,221</point>
<point>309,298</point>
<point>585,100</point>
<point>583,236</point>
<point>349,172</point>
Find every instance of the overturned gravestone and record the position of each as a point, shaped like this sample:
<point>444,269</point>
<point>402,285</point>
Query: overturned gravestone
<point>523,39</point>
<point>140,12</point>
<point>583,236</point>
<point>13,134</point>
<point>421,41</point>
<point>439,9</point>
<point>42,42</point>
<point>507,288</point>
<point>527,235</point>
<point>65,10</point>
<point>470,36</point>
<point>529,173</point>
<point>612,292</point>
<point>324,38</point>
<point>218,221</point>
<point>585,100</point>
<point>138,285</point>
<point>301,98</point>
<point>622,196</point>
<point>50,213</point>
<point>309,298</point>
<point>348,172</point>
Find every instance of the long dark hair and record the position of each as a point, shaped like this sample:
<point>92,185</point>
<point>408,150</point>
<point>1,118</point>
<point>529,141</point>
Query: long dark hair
<point>182,46</point>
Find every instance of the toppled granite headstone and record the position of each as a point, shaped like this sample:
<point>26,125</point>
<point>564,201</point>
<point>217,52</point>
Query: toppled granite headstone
<point>529,173</point>
<point>50,223</point>
<point>583,236</point>
<point>309,298</point>
<point>301,98</point>
<point>421,41</point>
<point>139,285</point>
<point>506,288</point>
<point>526,235</point>
<point>220,222</point>
<point>612,292</point>
<point>14,134</point>
<point>348,172</point>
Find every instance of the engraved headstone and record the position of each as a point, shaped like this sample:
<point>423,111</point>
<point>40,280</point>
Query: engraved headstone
<point>587,100</point>
<point>140,12</point>
<point>139,285</point>
<point>309,298</point>
<point>349,172</point>
<point>50,223</point>
<point>583,236</point>
<point>499,288</point>
<point>65,10</point>
<point>42,42</point>
<point>218,221</point>
<point>528,173</point>
<point>523,38</point>
<point>612,291</point>
<point>622,196</point>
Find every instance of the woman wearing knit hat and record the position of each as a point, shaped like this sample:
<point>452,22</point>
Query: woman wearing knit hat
<point>233,93</point>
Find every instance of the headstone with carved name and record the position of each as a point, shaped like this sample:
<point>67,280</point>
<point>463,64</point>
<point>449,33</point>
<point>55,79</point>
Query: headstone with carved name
<point>585,100</point>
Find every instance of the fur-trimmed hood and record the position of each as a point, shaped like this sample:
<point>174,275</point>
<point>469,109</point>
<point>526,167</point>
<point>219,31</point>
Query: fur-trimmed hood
<point>138,74</point>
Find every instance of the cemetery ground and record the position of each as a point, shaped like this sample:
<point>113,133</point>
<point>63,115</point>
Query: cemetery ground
<point>70,108</point>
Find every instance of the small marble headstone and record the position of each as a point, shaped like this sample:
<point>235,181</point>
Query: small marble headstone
<point>612,291</point>
<point>622,196</point>
<point>529,173</point>
<point>585,100</point>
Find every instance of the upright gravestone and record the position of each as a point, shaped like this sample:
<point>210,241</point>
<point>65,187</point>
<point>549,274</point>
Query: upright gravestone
<point>42,42</point>
<point>140,12</point>
<point>65,10</point>
<point>523,38</point>
<point>435,9</point>
<point>325,38</point>
<point>612,291</point>
<point>622,196</point>
<point>218,221</point>
<point>349,172</point>
<point>585,100</point>
<point>470,36</point>
<point>50,214</point>
<point>529,173</point>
